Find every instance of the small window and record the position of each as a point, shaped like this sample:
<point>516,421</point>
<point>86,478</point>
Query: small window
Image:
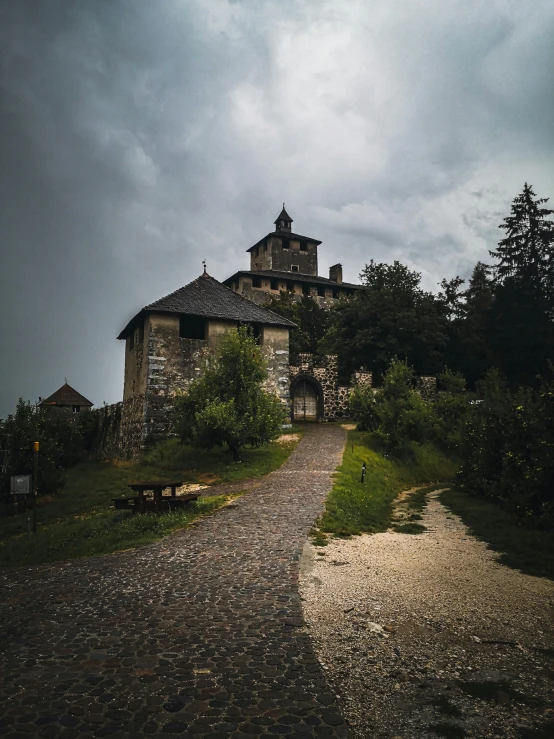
<point>294,268</point>
<point>335,294</point>
<point>303,246</point>
<point>286,243</point>
<point>256,282</point>
<point>192,327</point>
<point>283,224</point>
<point>321,292</point>
<point>305,289</point>
<point>274,285</point>
<point>76,409</point>
<point>290,287</point>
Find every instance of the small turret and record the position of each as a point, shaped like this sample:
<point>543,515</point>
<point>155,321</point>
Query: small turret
<point>283,221</point>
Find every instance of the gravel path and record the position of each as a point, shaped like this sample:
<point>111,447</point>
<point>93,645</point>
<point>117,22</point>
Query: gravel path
<point>198,635</point>
<point>411,628</point>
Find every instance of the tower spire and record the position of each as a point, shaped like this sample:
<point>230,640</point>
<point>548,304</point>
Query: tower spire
<point>283,222</point>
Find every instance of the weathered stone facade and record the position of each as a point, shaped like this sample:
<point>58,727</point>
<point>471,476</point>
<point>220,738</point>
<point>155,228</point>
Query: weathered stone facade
<point>332,397</point>
<point>160,364</point>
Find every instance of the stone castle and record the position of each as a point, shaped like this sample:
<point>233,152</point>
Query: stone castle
<point>167,340</point>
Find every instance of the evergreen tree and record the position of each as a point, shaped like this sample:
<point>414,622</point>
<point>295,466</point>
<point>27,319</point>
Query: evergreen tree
<point>522,312</point>
<point>526,254</point>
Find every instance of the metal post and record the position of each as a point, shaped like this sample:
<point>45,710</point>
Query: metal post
<point>35,484</point>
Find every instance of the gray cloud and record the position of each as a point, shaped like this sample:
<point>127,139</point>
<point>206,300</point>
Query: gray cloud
<point>139,138</point>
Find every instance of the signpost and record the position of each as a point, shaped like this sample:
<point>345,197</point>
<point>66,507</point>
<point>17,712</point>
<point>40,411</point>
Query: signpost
<point>35,484</point>
<point>21,484</point>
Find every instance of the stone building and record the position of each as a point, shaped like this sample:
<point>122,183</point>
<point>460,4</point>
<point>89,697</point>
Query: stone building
<point>65,400</point>
<point>165,344</point>
<point>284,261</point>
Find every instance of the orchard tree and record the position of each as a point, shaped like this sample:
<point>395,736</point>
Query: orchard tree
<point>228,404</point>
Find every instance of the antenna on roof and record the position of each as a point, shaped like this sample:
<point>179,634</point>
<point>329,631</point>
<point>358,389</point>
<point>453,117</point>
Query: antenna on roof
<point>204,263</point>
<point>65,378</point>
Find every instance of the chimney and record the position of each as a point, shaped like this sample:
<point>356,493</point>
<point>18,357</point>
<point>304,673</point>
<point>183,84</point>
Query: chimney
<point>335,273</point>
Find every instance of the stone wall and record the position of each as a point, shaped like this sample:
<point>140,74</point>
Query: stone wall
<point>172,363</point>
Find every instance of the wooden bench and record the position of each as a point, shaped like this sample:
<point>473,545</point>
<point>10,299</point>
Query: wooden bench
<point>159,502</point>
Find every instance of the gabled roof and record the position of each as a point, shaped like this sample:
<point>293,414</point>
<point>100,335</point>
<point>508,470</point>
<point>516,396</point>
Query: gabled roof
<point>66,395</point>
<point>208,298</point>
<point>293,277</point>
<point>285,234</point>
<point>283,216</point>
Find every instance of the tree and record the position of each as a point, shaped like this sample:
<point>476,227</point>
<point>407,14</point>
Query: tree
<point>60,445</point>
<point>527,251</point>
<point>392,316</point>
<point>311,319</point>
<point>227,404</point>
<point>523,309</point>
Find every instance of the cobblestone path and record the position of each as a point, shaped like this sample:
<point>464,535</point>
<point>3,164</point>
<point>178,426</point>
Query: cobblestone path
<point>198,635</point>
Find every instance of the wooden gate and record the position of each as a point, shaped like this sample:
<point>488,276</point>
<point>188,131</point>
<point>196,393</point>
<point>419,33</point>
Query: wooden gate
<point>304,401</point>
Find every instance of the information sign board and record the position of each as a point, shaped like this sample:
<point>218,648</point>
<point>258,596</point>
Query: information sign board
<point>21,485</point>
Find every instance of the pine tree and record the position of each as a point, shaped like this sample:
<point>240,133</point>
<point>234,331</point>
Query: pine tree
<point>527,251</point>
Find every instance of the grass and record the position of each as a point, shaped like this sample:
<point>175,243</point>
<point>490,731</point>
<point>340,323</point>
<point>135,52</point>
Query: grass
<point>525,549</point>
<point>81,509</point>
<point>354,507</point>
<point>99,533</point>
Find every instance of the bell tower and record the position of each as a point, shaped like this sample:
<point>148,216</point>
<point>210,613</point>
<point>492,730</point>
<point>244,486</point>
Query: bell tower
<point>283,222</point>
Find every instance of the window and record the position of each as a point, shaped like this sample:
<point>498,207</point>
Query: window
<point>294,268</point>
<point>335,294</point>
<point>257,332</point>
<point>321,292</point>
<point>305,289</point>
<point>76,409</point>
<point>286,243</point>
<point>256,282</point>
<point>192,327</point>
<point>303,246</point>
<point>274,285</point>
<point>283,224</point>
<point>290,287</point>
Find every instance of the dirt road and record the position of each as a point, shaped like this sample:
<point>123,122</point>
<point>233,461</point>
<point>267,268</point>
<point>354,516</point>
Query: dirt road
<point>427,635</point>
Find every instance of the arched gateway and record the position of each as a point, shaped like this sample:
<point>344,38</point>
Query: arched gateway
<point>307,399</point>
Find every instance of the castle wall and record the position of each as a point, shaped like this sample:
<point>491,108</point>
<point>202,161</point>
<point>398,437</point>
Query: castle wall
<point>280,253</point>
<point>171,363</point>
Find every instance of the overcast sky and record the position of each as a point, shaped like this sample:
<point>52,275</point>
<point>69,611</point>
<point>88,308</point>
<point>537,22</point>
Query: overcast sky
<point>138,138</point>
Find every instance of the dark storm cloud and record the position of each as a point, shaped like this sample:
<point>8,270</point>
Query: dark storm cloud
<point>138,138</point>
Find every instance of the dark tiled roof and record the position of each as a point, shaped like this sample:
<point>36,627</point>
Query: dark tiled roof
<point>293,277</point>
<point>286,234</point>
<point>283,216</point>
<point>66,395</point>
<point>208,298</point>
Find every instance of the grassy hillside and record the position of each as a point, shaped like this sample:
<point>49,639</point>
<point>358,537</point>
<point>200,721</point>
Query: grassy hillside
<point>354,507</point>
<point>79,521</point>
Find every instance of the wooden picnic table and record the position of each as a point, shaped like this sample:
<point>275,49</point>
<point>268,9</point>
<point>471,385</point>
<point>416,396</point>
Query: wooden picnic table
<point>159,501</point>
